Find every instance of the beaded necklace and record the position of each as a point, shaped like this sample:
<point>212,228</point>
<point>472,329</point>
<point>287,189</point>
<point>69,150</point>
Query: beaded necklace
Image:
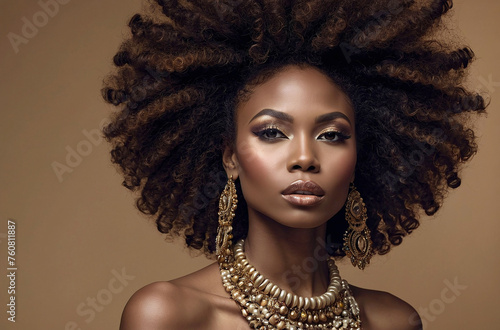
<point>265,306</point>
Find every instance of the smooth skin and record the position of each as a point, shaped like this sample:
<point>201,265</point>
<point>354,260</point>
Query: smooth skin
<point>298,125</point>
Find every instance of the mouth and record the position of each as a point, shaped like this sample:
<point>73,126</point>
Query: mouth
<point>303,193</point>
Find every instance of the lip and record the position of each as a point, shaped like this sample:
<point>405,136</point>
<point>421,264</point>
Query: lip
<point>303,193</point>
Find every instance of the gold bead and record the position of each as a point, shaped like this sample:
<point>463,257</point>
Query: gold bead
<point>313,303</point>
<point>268,288</point>
<point>274,319</point>
<point>301,302</point>
<point>307,303</point>
<point>303,316</point>
<point>294,315</point>
<point>288,299</point>
<point>263,302</point>
<point>263,285</point>
<point>275,291</point>
<point>322,317</point>
<point>283,310</point>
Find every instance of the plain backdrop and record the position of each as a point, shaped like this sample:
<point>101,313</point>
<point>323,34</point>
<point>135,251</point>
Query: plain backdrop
<point>82,247</point>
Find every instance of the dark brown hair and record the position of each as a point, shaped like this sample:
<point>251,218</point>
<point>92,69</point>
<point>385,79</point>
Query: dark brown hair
<point>181,70</point>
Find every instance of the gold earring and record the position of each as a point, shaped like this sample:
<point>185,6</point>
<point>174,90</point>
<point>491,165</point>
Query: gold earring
<point>357,241</point>
<point>228,202</point>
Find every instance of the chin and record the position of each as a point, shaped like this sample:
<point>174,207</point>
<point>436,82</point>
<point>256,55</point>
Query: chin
<point>296,218</point>
<point>302,222</point>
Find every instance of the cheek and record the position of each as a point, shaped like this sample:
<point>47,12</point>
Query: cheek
<point>340,165</point>
<point>339,173</point>
<point>257,163</point>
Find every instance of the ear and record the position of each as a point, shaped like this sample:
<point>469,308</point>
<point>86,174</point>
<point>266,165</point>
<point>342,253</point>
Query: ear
<point>230,162</point>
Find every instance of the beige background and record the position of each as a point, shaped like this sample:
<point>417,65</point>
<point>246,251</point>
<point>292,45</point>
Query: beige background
<point>76,232</point>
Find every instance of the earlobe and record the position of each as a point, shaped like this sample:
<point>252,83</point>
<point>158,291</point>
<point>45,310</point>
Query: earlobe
<point>230,162</point>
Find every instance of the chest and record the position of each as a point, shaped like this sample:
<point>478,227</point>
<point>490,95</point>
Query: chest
<point>227,315</point>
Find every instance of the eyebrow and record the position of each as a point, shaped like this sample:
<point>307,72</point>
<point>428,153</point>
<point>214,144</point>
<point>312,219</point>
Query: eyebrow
<point>331,116</point>
<point>273,113</point>
<point>286,117</point>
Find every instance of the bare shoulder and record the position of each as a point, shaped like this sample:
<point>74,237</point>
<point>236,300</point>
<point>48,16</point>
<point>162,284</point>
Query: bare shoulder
<point>383,311</point>
<point>159,305</point>
<point>191,302</point>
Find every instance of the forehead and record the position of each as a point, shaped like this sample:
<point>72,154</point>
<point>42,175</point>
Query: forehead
<point>299,91</point>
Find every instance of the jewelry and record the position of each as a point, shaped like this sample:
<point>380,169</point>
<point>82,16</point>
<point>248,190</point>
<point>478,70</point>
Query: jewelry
<point>357,241</point>
<point>265,306</point>
<point>228,202</point>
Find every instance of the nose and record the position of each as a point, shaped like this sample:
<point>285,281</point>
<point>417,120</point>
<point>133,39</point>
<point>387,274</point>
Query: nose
<point>303,156</point>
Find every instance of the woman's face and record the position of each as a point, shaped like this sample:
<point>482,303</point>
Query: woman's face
<point>295,149</point>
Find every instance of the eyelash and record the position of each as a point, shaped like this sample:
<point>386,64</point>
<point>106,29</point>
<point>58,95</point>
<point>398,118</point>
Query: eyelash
<point>261,134</point>
<point>341,137</point>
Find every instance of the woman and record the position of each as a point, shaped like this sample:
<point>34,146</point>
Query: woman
<point>277,135</point>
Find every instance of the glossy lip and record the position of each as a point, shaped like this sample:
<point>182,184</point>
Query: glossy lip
<point>294,193</point>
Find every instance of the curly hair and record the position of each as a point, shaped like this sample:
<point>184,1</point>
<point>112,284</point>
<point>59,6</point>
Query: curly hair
<point>182,71</point>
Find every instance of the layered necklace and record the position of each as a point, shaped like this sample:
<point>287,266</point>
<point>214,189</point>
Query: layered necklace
<point>266,306</point>
<point>263,304</point>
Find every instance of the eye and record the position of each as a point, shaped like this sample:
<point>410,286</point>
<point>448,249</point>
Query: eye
<point>270,133</point>
<point>333,136</point>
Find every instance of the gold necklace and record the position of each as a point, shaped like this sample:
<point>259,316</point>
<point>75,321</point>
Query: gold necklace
<point>265,306</point>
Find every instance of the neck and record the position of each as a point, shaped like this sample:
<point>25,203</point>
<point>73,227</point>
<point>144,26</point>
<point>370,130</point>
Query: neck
<point>294,259</point>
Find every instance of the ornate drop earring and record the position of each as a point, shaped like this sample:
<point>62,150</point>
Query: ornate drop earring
<point>227,205</point>
<point>357,241</point>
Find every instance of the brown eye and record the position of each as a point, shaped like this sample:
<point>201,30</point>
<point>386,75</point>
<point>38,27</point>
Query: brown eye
<point>330,135</point>
<point>270,134</point>
<point>333,136</point>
